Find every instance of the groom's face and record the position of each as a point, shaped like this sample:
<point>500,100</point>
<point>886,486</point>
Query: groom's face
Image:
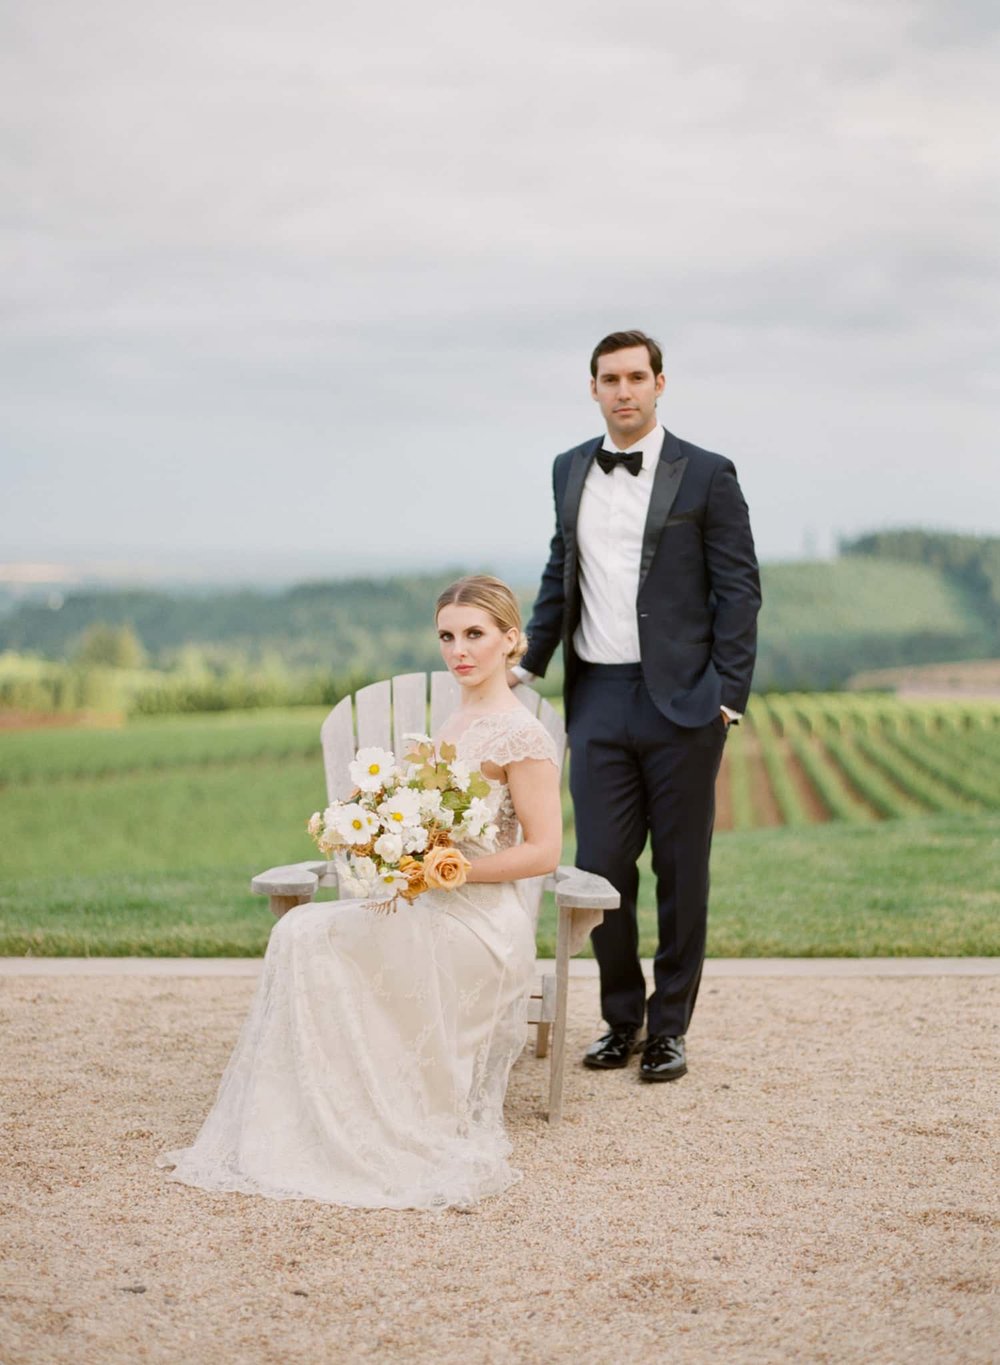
<point>627,390</point>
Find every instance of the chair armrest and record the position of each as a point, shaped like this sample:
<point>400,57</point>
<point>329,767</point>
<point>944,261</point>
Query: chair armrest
<point>293,879</point>
<point>584,890</point>
<point>550,882</point>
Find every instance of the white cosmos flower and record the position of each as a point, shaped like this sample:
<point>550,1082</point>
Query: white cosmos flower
<point>330,838</point>
<point>359,876</point>
<point>401,809</point>
<point>461,774</point>
<point>414,840</point>
<point>372,768</point>
<point>354,824</point>
<point>430,804</point>
<point>389,847</point>
<point>315,823</point>
<point>387,885</point>
<point>477,817</point>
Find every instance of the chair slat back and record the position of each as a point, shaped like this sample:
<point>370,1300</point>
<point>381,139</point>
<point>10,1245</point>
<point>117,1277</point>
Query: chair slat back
<point>409,709</point>
<point>553,722</point>
<point>339,748</point>
<point>444,699</point>
<point>385,712</point>
<point>372,705</point>
<point>528,698</point>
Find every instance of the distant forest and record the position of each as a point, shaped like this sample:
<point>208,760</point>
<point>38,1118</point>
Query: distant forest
<point>890,598</point>
<point>360,624</point>
<point>901,597</point>
<point>973,562</point>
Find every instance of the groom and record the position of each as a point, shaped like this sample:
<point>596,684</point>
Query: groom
<point>653,591</point>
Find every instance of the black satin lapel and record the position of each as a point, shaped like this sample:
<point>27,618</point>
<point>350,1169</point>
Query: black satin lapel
<point>574,492</point>
<point>666,482</point>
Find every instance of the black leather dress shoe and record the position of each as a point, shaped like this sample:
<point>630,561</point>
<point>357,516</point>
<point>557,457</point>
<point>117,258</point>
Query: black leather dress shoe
<point>612,1051</point>
<point>663,1058</point>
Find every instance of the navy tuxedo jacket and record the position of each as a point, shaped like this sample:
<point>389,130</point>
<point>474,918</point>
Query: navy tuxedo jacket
<point>699,588</point>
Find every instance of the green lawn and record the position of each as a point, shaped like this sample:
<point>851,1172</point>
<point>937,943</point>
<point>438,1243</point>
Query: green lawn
<point>909,888</point>
<point>905,888</point>
<point>155,855</point>
<point>31,756</point>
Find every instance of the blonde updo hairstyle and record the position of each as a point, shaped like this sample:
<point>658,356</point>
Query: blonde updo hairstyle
<point>493,596</point>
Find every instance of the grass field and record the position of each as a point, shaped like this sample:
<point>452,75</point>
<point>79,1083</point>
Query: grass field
<point>848,825</point>
<point>31,756</point>
<point>834,599</point>
<point>824,621</point>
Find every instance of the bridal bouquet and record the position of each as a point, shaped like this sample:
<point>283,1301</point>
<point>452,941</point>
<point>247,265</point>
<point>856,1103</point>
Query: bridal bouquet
<point>396,836</point>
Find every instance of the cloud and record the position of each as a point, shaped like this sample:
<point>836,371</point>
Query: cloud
<point>246,245</point>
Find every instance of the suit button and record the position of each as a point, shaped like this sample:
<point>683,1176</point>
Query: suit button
<point>643,615</point>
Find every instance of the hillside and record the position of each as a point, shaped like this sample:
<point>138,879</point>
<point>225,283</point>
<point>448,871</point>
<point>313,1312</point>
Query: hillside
<point>963,679</point>
<point>890,600</point>
<point>973,562</point>
<point>359,624</point>
<point>823,622</point>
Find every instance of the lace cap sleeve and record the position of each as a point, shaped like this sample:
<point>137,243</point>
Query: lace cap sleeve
<point>506,738</point>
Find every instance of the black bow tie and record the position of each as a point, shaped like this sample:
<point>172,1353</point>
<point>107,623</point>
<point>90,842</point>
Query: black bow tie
<point>614,459</point>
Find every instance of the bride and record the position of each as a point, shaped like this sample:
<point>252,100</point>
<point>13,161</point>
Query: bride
<point>372,1067</point>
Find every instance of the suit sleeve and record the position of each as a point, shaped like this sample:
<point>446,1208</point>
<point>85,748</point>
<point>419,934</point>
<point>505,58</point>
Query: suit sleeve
<point>735,583</point>
<point>544,630</point>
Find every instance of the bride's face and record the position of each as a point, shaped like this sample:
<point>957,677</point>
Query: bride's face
<point>473,646</point>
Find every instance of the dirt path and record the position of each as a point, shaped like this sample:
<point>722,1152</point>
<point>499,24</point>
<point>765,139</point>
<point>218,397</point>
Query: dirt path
<point>765,807</point>
<point>818,1188</point>
<point>724,796</point>
<point>843,778</point>
<point>811,800</point>
<point>12,719</point>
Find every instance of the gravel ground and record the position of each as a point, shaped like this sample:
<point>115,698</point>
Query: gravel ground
<point>820,1187</point>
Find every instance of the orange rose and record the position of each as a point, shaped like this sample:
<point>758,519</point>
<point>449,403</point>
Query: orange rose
<point>445,869</point>
<point>414,874</point>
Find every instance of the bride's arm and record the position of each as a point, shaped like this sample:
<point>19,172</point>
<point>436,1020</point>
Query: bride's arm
<point>534,790</point>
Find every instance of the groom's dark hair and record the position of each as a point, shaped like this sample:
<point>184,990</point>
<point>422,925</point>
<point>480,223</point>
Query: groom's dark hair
<point>620,341</point>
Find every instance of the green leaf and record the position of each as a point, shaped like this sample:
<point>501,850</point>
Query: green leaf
<point>420,753</point>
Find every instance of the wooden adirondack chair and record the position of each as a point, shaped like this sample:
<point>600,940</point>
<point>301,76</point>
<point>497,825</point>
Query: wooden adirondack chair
<point>386,712</point>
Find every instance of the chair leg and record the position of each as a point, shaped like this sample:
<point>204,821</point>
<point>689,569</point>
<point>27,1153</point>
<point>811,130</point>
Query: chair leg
<point>280,905</point>
<point>546,1013</point>
<point>558,1061</point>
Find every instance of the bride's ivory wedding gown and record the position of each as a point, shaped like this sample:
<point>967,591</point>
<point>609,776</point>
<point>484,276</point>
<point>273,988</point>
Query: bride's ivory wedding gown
<point>372,1067</point>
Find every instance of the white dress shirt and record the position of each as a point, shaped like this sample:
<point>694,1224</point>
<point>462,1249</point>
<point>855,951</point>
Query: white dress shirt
<point>609,531</point>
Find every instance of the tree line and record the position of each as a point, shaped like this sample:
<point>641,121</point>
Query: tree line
<point>152,651</point>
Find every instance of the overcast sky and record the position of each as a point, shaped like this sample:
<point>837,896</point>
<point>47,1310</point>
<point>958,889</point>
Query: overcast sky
<point>295,288</point>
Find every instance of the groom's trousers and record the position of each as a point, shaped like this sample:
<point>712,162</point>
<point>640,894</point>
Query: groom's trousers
<point>634,775</point>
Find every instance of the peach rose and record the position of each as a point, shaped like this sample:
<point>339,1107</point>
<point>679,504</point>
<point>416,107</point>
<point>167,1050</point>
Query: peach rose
<point>414,874</point>
<point>445,869</point>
